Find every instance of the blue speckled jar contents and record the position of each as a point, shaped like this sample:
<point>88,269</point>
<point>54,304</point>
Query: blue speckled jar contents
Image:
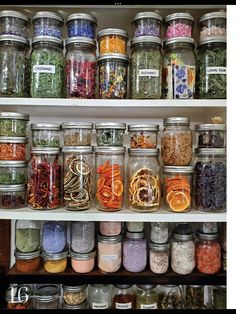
<point>82,236</point>
<point>53,236</point>
<point>81,24</point>
<point>47,24</point>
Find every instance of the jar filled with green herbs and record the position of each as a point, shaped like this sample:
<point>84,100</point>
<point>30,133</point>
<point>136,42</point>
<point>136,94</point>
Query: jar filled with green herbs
<point>13,124</point>
<point>211,68</point>
<point>45,134</point>
<point>145,68</point>
<point>13,172</point>
<point>27,235</point>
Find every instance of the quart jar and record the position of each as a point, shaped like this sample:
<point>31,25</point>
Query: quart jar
<point>55,262</point>
<point>12,196</point>
<point>99,296</point>
<point>27,236</point>
<point>81,66</point>
<point>82,262</point>
<point>212,24</point>
<point>27,262</point>
<point>110,133</point>
<point>143,135</point>
<point>44,178</point>
<point>45,134</point>
<point>109,178</point>
<point>13,172</point>
<point>112,40</point>
<point>110,228</point>
<point>74,295</point>
<point>81,25</point>
<point>123,297</point>
<point>147,24</point>
<point>208,253</point>
<point>19,297</point>
<point>159,257</point>
<point>135,226</point>
<point>46,296</point>
<point>219,299</point>
<point>159,232</point>
<point>77,133</point>
<point>82,236</point>
<point>210,179</point>
<point>146,68</point>
<point>134,252</point>
<point>170,297</point>
<point>176,142</point>
<point>146,297</point>
<point>194,297</point>
<point>14,23</point>
<point>47,64</point>
<point>179,25</point>
<point>179,68</point>
<point>211,79</point>
<point>113,76</point>
<point>210,135</point>
<point>53,236</point>
<point>78,172</point>
<point>13,148</point>
<point>47,23</point>
<point>178,188</point>
<point>13,124</point>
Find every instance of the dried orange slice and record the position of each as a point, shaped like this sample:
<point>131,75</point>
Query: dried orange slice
<point>179,201</point>
<point>117,187</point>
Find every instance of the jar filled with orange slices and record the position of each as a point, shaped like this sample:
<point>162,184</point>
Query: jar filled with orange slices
<point>109,178</point>
<point>178,188</point>
<point>144,187</point>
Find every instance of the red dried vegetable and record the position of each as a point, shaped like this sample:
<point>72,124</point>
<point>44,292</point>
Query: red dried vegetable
<point>208,257</point>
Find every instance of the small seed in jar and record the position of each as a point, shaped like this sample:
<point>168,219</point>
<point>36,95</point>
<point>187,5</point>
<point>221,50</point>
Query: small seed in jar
<point>74,298</point>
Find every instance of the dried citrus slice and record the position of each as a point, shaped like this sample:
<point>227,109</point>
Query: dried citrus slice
<point>117,187</point>
<point>145,195</point>
<point>83,168</point>
<point>179,202</point>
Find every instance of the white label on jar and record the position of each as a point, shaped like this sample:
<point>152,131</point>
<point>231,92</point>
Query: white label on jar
<point>215,70</point>
<point>148,306</point>
<point>44,69</point>
<point>99,306</point>
<point>149,72</point>
<point>123,306</point>
<point>108,258</point>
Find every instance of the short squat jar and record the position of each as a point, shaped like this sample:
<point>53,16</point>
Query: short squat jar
<point>27,262</point>
<point>159,232</point>
<point>13,172</point>
<point>13,124</point>
<point>110,228</point>
<point>55,262</point>
<point>112,40</point>
<point>46,296</point>
<point>147,24</point>
<point>212,24</point>
<point>74,295</point>
<point>146,297</point>
<point>143,135</point>
<point>53,236</point>
<point>81,25</point>
<point>77,133</point>
<point>82,236</point>
<point>45,134</point>
<point>27,236</point>
<point>14,23</point>
<point>83,263</point>
<point>47,23</point>
<point>159,257</point>
<point>110,133</point>
<point>13,148</point>
<point>210,135</point>
<point>12,196</point>
<point>179,25</point>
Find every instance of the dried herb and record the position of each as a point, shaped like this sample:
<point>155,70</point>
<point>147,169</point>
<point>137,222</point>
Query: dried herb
<point>194,297</point>
<point>13,127</point>
<point>27,239</point>
<point>12,177</point>
<point>110,137</point>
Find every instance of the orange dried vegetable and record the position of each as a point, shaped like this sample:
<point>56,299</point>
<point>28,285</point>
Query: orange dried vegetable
<point>112,44</point>
<point>12,151</point>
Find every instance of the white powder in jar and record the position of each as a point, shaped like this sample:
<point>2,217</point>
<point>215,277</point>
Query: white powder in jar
<point>183,257</point>
<point>109,256</point>
<point>159,261</point>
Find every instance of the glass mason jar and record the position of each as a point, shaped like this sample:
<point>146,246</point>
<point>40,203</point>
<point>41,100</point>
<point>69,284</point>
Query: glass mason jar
<point>210,179</point>
<point>146,297</point>
<point>81,64</point>
<point>19,297</point>
<point>47,296</point>
<point>47,64</point>
<point>112,40</point>
<point>99,296</point>
<point>183,253</point>
<point>12,196</point>
<point>208,253</point>
<point>143,135</point>
<point>110,178</point>
<point>146,68</point>
<point>134,226</point>
<point>81,25</point>
<point>143,172</point>
<point>110,133</point>
<point>13,148</point>
<point>134,252</point>
<point>159,257</point>
<point>53,236</point>
<point>77,133</point>
<point>82,236</point>
<point>209,227</point>
<point>13,172</point>
<point>113,74</point>
<point>78,172</point>
<point>55,262</point>
<point>82,263</point>
<point>170,297</point>
<point>194,297</point>
<point>109,253</point>
<point>13,124</point>
<point>219,299</point>
<point>27,262</point>
<point>47,23</point>
<point>210,135</point>
<point>14,23</point>
<point>110,228</point>
<point>179,25</point>
<point>176,142</point>
<point>123,297</point>
<point>74,295</point>
<point>211,68</point>
<point>44,178</point>
<point>46,134</point>
<point>212,24</point>
<point>147,24</point>
<point>27,235</point>
<point>179,68</point>
<point>178,188</point>
<point>159,232</point>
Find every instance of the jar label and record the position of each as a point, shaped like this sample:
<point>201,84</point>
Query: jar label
<point>123,306</point>
<point>108,258</point>
<point>44,69</point>
<point>149,306</point>
<point>216,70</point>
<point>149,72</point>
<point>99,306</point>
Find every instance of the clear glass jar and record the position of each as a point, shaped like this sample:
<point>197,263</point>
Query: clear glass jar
<point>27,262</point>
<point>123,297</point>
<point>159,257</point>
<point>27,235</point>
<point>146,68</point>
<point>134,252</point>
<point>55,263</point>
<point>210,179</point>
<point>13,124</point>
<point>110,178</point>
<point>47,23</point>
<point>99,296</point>
<point>178,188</point>
<point>211,79</point>
<point>45,134</point>
<point>147,24</point>
<point>143,135</point>
<point>13,172</point>
<point>47,296</point>
<point>14,23</point>
<point>209,227</point>
<point>179,68</point>
<point>47,63</point>
<point>113,76</point>
<point>176,142</point>
<point>81,25</point>
<point>135,226</point>
<point>82,236</point>
<point>212,24</point>
<point>210,135</point>
<point>112,40</point>
<point>110,133</point>
<point>19,297</point>
<point>82,262</point>
<point>208,253</point>
<point>146,297</point>
<point>110,228</point>
<point>194,297</point>
<point>143,177</point>
<point>12,196</point>
<point>82,306</point>
<point>77,133</point>
<point>44,178</point>
<point>13,148</point>
<point>219,299</point>
<point>78,173</point>
<point>179,25</point>
<point>81,66</point>
<point>170,297</point>
<point>159,232</point>
<point>74,295</point>
<point>53,236</point>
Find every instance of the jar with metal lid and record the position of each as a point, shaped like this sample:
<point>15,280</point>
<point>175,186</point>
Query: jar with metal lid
<point>159,232</point>
<point>159,257</point>
<point>27,262</point>
<point>110,133</point>
<point>210,179</point>
<point>53,237</point>
<point>183,253</point>
<point>113,76</point>
<point>211,79</point>
<point>12,196</point>
<point>55,262</point>
<point>143,135</point>
<point>219,299</point>
<point>179,25</point>
<point>47,296</point>
<point>13,172</point>
<point>179,68</point>
<point>208,253</point>
<point>112,40</point>
<point>78,172</point>
<point>146,297</point>
<point>47,23</point>
<point>178,188</point>
<point>46,134</point>
<point>77,133</point>
<point>14,23</point>
<point>147,24</point>
<point>44,178</point>
<point>13,124</point>
<point>146,68</point>
<point>82,306</point>
<point>134,252</point>
<point>110,228</point>
<point>82,236</point>
<point>99,296</point>
<point>81,66</point>
<point>82,262</point>
<point>47,64</point>
<point>82,25</point>
<point>123,297</point>
<point>19,297</point>
<point>135,226</point>
<point>210,135</point>
<point>212,24</point>
<point>74,295</point>
<point>13,148</point>
<point>109,178</point>
<point>194,297</point>
<point>27,236</point>
<point>170,297</point>
<point>176,142</point>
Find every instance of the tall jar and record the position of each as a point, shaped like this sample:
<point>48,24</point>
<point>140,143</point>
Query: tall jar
<point>46,23</point>
<point>210,179</point>
<point>123,297</point>
<point>47,67</point>
<point>219,298</point>
<point>46,134</point>
<point>78,172</point>
<point>176,142</point>
<point>44,178</point>
<point>143,178</point>
<point>194,297</point>
<point>159,257</point>
<point>179,68</point>
<point>159,232</point>
<point>146,297</point>
<point>145,68</point>
<point>14,66</point>
<point>54,236</point>
<point>46,296</point>
<point>80,67</point>
<point>82,236</point>
<point>99,296</point>
<point>170,297</point>
<point>110,178</point>
<point>27,235</point>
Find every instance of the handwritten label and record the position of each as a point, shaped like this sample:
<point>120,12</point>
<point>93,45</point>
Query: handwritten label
<point>216,70</point>
<point>148,306</point>
<point>149,72</point>
<point>100,306</point>
<point>44,69</point>
<point>109,258</point>
<point>124,306</point>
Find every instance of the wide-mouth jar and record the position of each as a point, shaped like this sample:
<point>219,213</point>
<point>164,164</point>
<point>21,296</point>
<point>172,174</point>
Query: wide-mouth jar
<point>210,135</point>
<point>13,124</point>
<point>82,262</point>
<point>77,133</point>
<point>179,25</point>
<point>47,296</point>
<point>19,297</point>
<point>47,24</point>
<point>13,172</point>
<point>14,23</point>
<point>45,134</point>
<point>74,295</point>
<point>55,262</point>
<point>12,196</point>
<point>147,24</point>
<point>112,40</point>
<point>159,257</point>
<point>143,135</point>
<point>110,133</point>
<point>212,24</point>
<point>27,262</point>
<point>81,24</point>
<point>13,148</point>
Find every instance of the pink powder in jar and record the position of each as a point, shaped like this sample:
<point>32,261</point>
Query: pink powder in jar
<point>110,228</point>
<point>82,263</point>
